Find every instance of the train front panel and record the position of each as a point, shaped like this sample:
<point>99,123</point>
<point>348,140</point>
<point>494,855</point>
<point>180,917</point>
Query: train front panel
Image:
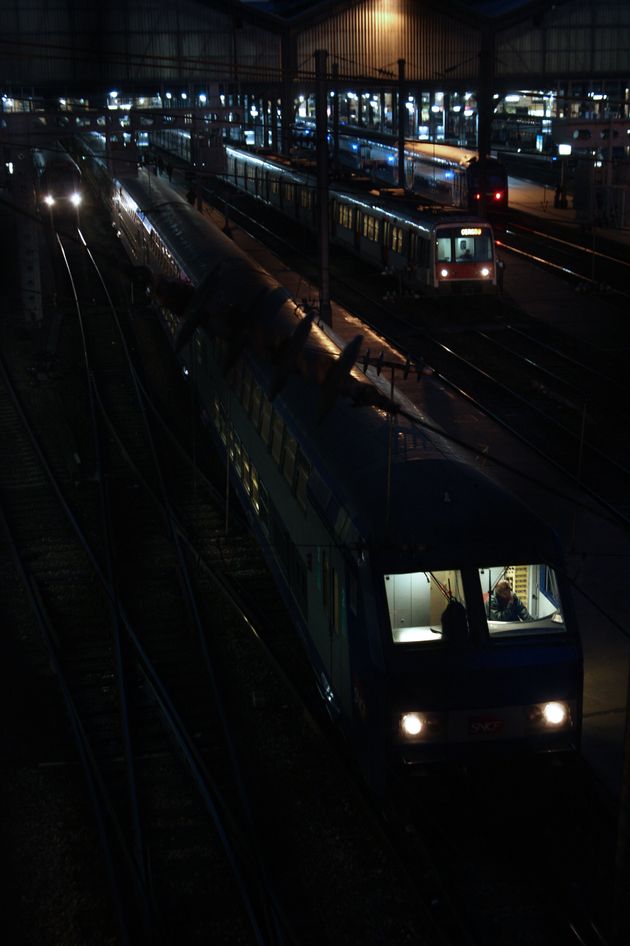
<point>462,679</point>
<point>464,258</point>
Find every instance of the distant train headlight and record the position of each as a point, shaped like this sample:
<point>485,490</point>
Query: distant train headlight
<point>411,724</point>
<point>444,273</point>
<point>485,271</point>
<point>553,714</point>
<point>76,199</point>
<point>48,199</point>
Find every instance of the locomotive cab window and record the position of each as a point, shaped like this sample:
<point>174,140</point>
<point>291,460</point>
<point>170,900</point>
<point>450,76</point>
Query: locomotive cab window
<point>416,602</point>
<point>444,249</point>
<point>521,600</point>
<point>463,244</point>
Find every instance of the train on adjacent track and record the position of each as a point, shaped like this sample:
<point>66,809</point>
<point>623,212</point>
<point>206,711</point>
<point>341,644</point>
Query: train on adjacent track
<point>445,174</point>
<point>59,184</point>
<point>385,543</point>
<point>441,253</point>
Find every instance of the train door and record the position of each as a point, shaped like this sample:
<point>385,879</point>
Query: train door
<point>409,173</point>
<point>333,638</point>
<point>386,234</point>
<point>460,190</point>
<point>358,228</point>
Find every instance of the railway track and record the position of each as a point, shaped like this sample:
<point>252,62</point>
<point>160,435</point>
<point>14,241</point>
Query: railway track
<point>524,850</point>
<point>127,653</point>
<point>135,681</point>
<point>585,257</point>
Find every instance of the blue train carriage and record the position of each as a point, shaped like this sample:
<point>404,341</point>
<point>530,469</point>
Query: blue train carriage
<point>445,174</point>
<point>58,181</point>
<point>451,175</point>
<point>437,253</point>
<point>378,536</point>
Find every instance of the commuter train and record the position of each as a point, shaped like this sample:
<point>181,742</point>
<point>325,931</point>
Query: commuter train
<point>58,181</point>
<point>440,254</point>
<point>384,543</point>
<point>446,175</point>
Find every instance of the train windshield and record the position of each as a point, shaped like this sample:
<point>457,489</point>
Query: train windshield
<point>417,601</point>
<point>462,244</point>
<point>521,600</point>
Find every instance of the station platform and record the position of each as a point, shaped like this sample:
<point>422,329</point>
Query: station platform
<point>537,200</point>
<point>588,311</point>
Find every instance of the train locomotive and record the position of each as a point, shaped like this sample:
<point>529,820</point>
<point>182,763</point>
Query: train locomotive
<point>378,534</point>
<point>59,184</point>
<point>438,253</point>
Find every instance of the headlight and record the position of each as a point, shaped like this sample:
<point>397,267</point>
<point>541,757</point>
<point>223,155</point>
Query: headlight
<point>485,271</point>
<point>412,724</point>
<point>554,714</point>
<point>49,200</point>
<point>444,273</point>
<point>76,199</point>
<point>421,725</point>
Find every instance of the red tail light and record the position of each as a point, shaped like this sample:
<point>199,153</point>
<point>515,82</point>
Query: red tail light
<point>498,195</point>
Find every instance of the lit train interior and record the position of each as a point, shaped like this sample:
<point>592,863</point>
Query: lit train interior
<point>417,600</point>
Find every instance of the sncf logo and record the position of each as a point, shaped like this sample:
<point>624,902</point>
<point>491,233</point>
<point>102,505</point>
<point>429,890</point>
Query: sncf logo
<point>484,725</point>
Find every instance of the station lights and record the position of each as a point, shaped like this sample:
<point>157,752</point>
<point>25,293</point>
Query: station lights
<point>203,98</point>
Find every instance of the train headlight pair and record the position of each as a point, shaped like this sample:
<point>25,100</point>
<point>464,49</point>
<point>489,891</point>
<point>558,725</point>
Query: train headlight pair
<point>418,725</point>
<point>553,715</point>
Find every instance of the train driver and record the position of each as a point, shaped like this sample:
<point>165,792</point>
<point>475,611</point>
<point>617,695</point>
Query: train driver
<point>504,605</point>
<point>464,252</point>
